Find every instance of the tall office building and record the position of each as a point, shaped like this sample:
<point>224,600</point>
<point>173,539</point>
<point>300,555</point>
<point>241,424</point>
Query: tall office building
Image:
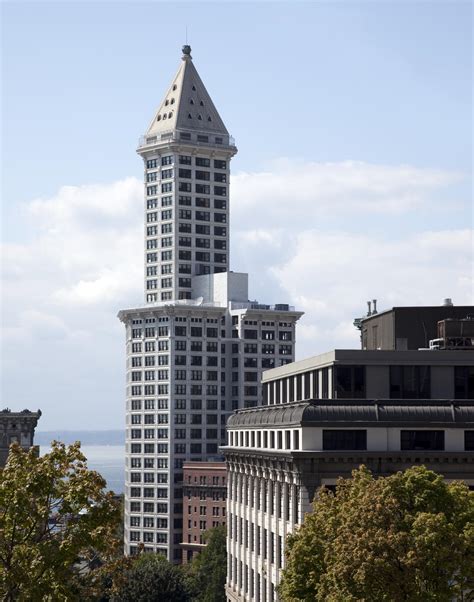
<point>197,348</point>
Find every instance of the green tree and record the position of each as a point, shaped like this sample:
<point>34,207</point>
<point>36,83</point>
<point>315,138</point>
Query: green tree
<point>209,568</point>
<point>152,578</point>
<point>406,537</point>
<point>56,519</point>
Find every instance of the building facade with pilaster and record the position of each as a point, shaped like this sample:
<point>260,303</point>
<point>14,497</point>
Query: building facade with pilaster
<point>323,417</point>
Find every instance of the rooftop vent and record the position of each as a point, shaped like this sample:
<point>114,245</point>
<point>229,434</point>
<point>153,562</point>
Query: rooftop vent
<point>448,302</point>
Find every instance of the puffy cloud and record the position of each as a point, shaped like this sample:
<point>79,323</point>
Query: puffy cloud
<point>295,190</point>
<point>84,261</point>
<point>86,248</point>
<point>331,275</point>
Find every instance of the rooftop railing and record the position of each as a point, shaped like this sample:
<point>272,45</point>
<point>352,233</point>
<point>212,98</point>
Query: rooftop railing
<point>255,305</point>
<point>194,137</point>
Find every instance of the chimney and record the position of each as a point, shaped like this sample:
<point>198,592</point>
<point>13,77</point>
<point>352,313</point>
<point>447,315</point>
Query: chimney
<point>369,308</point>
<point>448,302</point>
<point>374,301</point>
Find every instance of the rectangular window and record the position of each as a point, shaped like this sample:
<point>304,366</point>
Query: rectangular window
<point>350,382</point>
<point>344,440</point>
<point>410,382</point>
<point>185,241</point>
<point>325,383</point>
<point>203,202</point>
<point>464,382</point>
<point>203,229</point>
<point>469,440</point>
<point>220,217</point>
<point>422,440</point>
<point>204,216</point>
<point>203,189</point>
<point>203,243</point>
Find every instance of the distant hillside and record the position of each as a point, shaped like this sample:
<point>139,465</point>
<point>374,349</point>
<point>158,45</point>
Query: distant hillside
<point>116,437</point>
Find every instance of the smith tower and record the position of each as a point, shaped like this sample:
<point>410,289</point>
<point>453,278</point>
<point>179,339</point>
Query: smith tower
<point>197,349</point>
<point>186,152</point>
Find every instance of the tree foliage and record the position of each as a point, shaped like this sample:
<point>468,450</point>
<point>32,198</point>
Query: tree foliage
<point>55,519</point>
<point>406,537</point>
<point>209,568</point>
<point>151,578</point>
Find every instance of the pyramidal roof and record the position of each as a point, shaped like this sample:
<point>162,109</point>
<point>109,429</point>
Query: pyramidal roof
<point>187,104</point>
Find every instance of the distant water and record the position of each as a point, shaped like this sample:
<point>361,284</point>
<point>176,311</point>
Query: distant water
<point>108,460</point>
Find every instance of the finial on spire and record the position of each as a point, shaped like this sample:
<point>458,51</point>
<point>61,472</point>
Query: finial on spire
<point>187,51</point>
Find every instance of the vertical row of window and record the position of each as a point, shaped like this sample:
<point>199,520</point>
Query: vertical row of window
<point>204,259</point>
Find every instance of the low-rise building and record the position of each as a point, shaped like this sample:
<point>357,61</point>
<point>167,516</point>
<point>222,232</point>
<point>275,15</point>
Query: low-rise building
<point>278,456</point>
<point>204,503</point>
<point>325,416</point>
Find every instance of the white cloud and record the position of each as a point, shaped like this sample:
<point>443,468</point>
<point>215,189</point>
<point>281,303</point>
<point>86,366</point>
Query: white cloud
<point>84,261</point>
<point>298,191</point>
<point>331,275</point>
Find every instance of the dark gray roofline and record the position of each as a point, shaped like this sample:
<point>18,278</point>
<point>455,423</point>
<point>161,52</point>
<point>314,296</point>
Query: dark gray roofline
<point>408,307</point>
<point>356,412</point>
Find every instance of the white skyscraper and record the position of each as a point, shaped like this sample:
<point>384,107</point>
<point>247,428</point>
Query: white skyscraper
<point>197,349</point>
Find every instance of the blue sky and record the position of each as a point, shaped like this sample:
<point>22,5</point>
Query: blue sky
<point>381,82</point>
<point>367,103</point>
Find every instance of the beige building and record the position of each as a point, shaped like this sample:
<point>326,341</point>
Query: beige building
<point>198,347</point>
<point>325,416</point>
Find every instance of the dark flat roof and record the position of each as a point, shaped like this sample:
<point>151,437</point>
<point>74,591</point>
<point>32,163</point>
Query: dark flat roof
<point>468,308</point>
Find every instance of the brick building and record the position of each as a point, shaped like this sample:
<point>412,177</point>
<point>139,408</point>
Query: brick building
<point>204,503</point>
